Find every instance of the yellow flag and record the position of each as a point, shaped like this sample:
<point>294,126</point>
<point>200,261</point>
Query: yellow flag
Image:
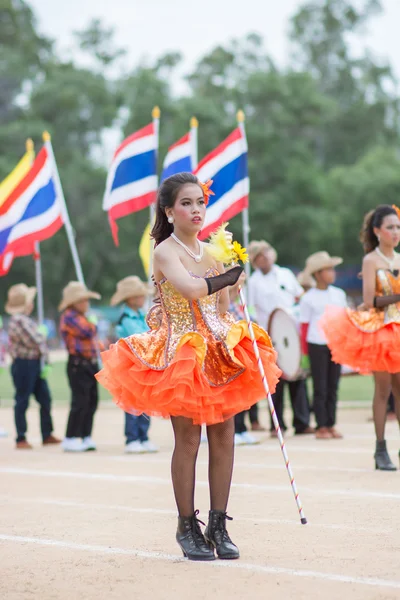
<point>145,249</point>
<point>17,174</point>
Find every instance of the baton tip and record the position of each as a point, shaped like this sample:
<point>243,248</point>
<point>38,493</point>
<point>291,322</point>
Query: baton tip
<point>303,521</point>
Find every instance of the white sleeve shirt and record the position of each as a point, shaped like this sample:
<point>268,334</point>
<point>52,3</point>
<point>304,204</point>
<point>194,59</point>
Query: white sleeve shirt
<point>277,289</point>
<point>312,306</point>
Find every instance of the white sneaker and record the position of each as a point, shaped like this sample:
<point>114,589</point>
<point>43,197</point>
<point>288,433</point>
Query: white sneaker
<point>148,446</point>
<point>3,433</point>
<point>249,439</point>
<point>134,448</point>
<point>72,445</point>
<point>239,441</point>
<point>89,444</point>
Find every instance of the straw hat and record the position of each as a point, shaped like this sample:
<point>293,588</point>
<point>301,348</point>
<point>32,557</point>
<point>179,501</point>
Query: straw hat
<point>321,260</point>
<point>257,246</point>
<point>129,287</point>
<point>18,298</point>
<point>75,292</point>
<point>306,280</point>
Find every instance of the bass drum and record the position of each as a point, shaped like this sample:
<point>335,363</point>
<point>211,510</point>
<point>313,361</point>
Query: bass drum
<point>285,336</point>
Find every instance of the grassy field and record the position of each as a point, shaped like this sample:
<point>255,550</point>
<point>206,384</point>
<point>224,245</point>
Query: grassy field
<point>352,388</point>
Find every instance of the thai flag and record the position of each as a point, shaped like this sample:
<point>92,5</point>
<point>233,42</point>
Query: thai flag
<point>132,177</point>
<point>179,157</point>
<point>32,212</point>
<point>227,167</point>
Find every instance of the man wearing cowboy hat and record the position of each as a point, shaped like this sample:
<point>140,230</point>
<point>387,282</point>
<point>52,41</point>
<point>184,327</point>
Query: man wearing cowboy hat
<point>324,372</point>
<point>132,292</point>
<point>271,287</point>
<point>28,349</point>
<point>79,335</point>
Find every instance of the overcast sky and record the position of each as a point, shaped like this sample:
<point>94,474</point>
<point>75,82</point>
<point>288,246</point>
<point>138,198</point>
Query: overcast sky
<point>151,27</point>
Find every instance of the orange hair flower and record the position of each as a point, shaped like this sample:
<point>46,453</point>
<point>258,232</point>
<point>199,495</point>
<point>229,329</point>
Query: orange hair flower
<point>397,209</point>
<point>207,192</point>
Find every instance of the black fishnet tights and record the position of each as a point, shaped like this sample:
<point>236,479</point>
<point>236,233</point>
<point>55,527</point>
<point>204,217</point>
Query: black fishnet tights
<point>183,465</point>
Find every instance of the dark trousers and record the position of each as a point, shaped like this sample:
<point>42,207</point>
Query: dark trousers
<point>136,428</point>
<point>27,381</point>
<point>240,426</point>
<point>299,402</point>
<point>84,396</point>
<point>325,376</point>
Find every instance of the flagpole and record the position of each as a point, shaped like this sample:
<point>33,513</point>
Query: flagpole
<point>156,113</point>
<point>36,255</point>
<point>245,213</point>
<point>66,219</point>
<point>194,125</point>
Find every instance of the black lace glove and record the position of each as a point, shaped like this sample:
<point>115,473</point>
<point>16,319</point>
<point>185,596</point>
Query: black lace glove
<point>214,284</point>
<point>383,301</point>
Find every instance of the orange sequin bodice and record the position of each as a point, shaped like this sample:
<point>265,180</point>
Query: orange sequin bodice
<point>197,323</point>
<point>373,320</point>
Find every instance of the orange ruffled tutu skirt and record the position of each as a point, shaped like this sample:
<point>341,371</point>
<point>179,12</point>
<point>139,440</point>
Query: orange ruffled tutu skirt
<point>355,338</point>
<point>183,387</point>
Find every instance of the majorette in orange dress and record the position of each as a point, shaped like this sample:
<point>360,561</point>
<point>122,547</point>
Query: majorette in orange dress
<point>367,340</point>
<point>197,363</point>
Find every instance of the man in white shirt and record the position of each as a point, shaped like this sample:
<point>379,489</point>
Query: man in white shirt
<point>271,287</point>
<point>325,373</point>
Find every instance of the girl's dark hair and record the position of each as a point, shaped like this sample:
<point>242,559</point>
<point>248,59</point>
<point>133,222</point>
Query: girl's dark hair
<point>167,193</point>
<point>372,219</point>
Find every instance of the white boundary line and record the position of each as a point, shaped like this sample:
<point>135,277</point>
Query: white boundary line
<point>161,481</point>
<point>130,509</point>
<point>368,581</point>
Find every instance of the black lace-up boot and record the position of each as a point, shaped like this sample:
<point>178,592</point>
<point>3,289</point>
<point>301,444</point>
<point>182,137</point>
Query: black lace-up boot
<point>191,540</point>
<point>382,458</point>
<point>217,535</point>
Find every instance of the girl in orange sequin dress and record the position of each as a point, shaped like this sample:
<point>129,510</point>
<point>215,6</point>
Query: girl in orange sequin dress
<point>368,339</point>
<point>195,365</point>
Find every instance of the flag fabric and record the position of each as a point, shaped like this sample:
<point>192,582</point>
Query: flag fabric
<point>179,157</point>
<point>132,177</point>
<point>227,167</point>
<point>32,212</point>
<point>145,249</point>
<point>6,187</point>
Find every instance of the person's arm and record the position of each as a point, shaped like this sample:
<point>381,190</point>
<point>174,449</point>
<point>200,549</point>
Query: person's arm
<point>370,299</point>
<point>305,318</point>
<point>168,262</point>
<point>30,334</point>
<point>78,326</point>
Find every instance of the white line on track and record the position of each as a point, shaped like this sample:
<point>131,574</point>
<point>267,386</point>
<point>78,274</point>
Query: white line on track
<point>268,570</point>
<point>161,481</point>
<point>138,460</point>
<point>130,509</point>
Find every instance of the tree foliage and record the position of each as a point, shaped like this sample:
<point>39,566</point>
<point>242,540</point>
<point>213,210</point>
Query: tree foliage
<point>322,133</point>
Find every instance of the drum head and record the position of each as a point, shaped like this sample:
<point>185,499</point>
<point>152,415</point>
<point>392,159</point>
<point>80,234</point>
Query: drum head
<point>286,340</point>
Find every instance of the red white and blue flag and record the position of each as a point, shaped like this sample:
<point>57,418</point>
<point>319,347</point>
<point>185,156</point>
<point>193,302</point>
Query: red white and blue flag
<point>227,167</point>
<point>132,177</point>
<point>179,157</point>
<point>31,213</point>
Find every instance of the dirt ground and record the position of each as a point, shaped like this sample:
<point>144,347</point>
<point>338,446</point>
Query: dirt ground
<point>102,525</point>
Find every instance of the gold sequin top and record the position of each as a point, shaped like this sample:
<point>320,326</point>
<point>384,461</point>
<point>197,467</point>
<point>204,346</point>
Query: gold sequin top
<point>376,318</point>
<point>199,323</point>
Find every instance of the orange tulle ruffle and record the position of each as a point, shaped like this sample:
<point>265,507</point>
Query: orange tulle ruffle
<point>364,351</point>
<point>181,389</point>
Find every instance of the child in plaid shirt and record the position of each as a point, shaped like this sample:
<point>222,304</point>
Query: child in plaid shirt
<point>27,346</point>
<point>79,334</point>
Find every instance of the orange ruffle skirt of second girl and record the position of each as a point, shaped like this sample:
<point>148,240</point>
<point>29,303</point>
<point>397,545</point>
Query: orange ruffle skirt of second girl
<point>356,339</point>
<point>182,388</point>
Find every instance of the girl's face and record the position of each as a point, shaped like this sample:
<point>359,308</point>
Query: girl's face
<point>389,232</point>
<point>189,210</point>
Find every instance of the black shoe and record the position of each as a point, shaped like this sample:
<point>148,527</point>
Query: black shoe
<point>191,539</point>
<point>217,535</point>
<point>382,458</point>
